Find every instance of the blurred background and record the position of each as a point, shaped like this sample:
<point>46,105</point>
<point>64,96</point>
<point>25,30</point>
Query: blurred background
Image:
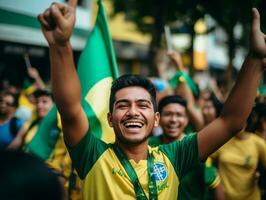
<point>211,36</point>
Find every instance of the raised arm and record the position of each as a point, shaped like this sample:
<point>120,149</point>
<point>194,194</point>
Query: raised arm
<point>57,25</point>
<point>241,99</point>
<point>182,89</point>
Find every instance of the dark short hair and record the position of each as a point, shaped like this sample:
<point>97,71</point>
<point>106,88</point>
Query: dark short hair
<point>171,99</point>
<point>42,92</point>
<point>132,80</point>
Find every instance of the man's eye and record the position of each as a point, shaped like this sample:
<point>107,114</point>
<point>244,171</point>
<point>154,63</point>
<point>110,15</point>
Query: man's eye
<point>167,114</point>
<point>121,106</point>
<point>143,105</point>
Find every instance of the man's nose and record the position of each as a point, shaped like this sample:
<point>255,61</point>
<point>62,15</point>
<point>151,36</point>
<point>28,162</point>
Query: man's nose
<point>133,110</point>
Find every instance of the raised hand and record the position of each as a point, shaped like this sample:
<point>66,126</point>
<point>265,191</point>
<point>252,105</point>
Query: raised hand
<point>257,38</point>
<point>58,21</point>
<point>33,72</point>
<point>176,59</point>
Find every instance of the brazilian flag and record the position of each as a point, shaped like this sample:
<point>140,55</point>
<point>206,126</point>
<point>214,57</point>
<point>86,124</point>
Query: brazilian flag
<point>97,68</point>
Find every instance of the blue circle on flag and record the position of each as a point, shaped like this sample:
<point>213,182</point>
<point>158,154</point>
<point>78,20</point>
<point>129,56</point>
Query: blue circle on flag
<point>160,172</point>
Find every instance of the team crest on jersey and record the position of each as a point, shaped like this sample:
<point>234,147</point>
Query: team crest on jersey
<point>160,172</point>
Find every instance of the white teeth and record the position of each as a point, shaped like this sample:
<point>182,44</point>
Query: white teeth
<point>138,124</point>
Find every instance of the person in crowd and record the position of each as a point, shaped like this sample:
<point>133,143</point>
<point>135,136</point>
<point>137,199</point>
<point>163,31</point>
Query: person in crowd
<point>26,109</point>
<point>9,124</point>
<point>203,181</point>
<point>211,108</point>
<point>257,124</point>
<point>58,158</point>
<point>237,162</point>
<point>129,169</point>
<point>25,177</point>
<point>184,86</point>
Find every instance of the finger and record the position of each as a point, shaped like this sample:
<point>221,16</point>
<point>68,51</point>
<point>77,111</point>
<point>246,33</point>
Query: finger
<point>73,3</point>
<point>57,13</point>
<point>59,5</point>
<point>255,20</point>
<point>44,22</point>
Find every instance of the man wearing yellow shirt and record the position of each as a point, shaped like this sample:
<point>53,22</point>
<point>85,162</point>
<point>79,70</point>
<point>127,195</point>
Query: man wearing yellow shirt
<point>129,169</point>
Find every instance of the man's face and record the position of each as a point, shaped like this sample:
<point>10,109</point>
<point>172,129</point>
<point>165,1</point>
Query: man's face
<point>7,105</point>
<point>133,116</point>
<point>43,105</point>
<point>173,120</point>
<point>208,111</point>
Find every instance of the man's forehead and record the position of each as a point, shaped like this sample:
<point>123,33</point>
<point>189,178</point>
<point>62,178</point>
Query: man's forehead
<point>133,92</point>
<point>171,106</point>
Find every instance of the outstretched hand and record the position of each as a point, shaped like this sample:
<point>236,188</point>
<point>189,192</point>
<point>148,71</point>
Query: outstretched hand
<point>176,59</point>
<point>58,21</point>
<point>257,38</point>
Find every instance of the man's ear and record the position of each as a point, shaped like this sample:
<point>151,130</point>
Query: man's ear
<point>156,119</point>
<point>109,119</point>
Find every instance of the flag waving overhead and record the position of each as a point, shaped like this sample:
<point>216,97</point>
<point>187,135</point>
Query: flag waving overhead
<point>96,69</point>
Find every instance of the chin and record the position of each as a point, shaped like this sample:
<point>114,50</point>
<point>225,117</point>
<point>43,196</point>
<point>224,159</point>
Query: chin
<point>133,140</point>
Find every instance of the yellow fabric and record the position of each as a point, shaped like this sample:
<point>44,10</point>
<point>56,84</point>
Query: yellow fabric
<point>30,133</point>
<point>23,101</point>
<point>237,163</point>
<point>122,188</point>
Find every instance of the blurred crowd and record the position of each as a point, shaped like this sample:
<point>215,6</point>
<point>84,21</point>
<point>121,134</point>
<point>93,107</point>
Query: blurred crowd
<point>22,110</point>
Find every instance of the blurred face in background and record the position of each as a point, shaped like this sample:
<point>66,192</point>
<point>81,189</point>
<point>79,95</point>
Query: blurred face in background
<point>173,120</point>
<point>208,111</point>
<point>43,105</point>
<point>7,106</point>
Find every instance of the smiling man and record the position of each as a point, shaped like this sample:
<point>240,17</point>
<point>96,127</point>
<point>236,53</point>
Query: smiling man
<point>129,169</point>
<point>203,180</point>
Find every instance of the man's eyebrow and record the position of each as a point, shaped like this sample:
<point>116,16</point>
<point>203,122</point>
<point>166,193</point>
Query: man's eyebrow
<point>121,101</point>
<point>138,100</point>
<point>144,100</point>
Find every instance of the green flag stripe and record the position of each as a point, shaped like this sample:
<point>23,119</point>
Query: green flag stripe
<point>97,62</point>
<point>46,137</point>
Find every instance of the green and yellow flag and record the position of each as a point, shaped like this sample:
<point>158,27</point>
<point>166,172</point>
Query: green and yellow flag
<point>97,68</point>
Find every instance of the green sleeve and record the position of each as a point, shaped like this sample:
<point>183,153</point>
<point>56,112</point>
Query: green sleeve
<point>86,153</point>
<point>211,176</point>
<point>183,154</point>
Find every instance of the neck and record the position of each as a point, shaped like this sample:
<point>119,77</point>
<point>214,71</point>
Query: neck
<point>167,139</point>
<point>242,135</point>
<point>135,152</point>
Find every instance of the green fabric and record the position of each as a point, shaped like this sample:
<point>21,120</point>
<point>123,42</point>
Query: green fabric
<point>155,141</point>
<point>186,151</point>
<point>262,90</point>
<point>96,62</point>
<point>195,184</point>
<point>44,141</point>
<point>174,81</point>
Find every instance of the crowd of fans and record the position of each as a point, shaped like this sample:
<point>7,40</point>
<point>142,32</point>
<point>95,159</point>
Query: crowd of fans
<point>223,174</point>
